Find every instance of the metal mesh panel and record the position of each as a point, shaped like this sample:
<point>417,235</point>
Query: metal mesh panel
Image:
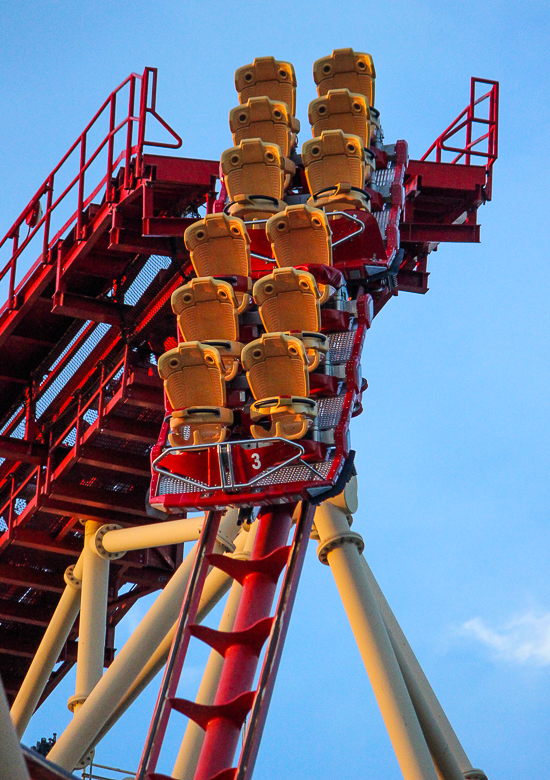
<point>296,473</point>
<point>383,177</point>
<point>19,432</point>
<point>383,218</point>
<point>122,445</point>
<point>70,439</point>
<point>144,278</point>
<point>69,370</point>
<point>330,411</point>
<point>340,346</point>
<point>131,412</point>
<point>169,485</point>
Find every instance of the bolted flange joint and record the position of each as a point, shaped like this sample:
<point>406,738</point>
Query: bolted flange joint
<point>70,579</point>
<point>97,542</point>
<point>74,701</point>
<point>339,540</point>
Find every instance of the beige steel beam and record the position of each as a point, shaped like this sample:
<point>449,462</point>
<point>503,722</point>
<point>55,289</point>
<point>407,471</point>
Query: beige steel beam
<point>216,586</point>
<point>341,549</point>
<point>448,754</point>
<point>93,619</point>
<point>12,763</point>
<point>48,652</point>
<point>129,662</point>
<point>189,752</point>
<point>110,542</point>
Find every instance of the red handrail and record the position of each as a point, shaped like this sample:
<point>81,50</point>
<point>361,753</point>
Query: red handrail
<point>466,120</point>
<point>147,105</point>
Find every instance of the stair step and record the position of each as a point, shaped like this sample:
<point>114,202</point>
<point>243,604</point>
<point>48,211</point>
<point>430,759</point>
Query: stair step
<point>272,565</point>
<point>235,710</point>
<point>253,637</point>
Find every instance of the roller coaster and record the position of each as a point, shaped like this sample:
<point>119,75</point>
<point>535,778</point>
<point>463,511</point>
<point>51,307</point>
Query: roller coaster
<point>182,364</point>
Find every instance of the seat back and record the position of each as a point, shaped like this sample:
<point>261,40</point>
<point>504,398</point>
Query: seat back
<point>268,77</point>
<point>193,375</point>
<point>253,168</point>
<point>288,300</point>
<point>219,246</point>
<point>206,310</point>
<point>333,158</point>
<point>343,110</point>
<point>267,119</point>
<point>346,69</point>
<point>300,235</point>
<point>275,366</point>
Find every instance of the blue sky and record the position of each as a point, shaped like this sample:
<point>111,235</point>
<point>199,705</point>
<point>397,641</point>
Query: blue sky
<point>453,443</point>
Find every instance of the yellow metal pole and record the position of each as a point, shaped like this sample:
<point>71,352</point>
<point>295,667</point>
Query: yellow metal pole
<point>216,586</point>
<point>154,535</point>
<point>93,617</point>
<point>50,647</point>
<point>129,662</point>
<point>440,735</point>
<point>341,549</point>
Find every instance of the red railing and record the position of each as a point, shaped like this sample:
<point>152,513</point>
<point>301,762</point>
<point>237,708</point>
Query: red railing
<point>465,122</point>
<point>119,129</point>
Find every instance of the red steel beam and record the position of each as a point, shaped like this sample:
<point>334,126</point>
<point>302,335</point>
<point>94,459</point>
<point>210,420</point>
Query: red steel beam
<point>25,577</point>
<point>437,233</point>
<point>23,450</point>
<point>222,733</point>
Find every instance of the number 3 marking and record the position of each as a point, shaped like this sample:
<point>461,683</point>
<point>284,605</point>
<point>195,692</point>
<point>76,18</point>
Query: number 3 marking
<point>256,463</point>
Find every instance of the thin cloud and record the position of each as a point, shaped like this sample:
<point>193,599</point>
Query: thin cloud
<point>525,639</point>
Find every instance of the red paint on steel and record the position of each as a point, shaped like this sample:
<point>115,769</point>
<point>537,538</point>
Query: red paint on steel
<point>179,647</point>
<point>222,733</point>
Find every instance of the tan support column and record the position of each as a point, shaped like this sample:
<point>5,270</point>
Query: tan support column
<point>12,763</point>
<point>48,652</point>
<point>93,617</point>
<point>447,752</point>
<point>216,586</point>
<point>154,535</point>
<point>341,549</point>
<point>188,756</point>
<point>129,662</point>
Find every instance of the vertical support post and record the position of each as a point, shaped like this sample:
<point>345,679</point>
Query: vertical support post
<point>93,615</point>
<point>216,586</point>
<point>129,662</point>
<point>341,548</point>
<point>48,652</point>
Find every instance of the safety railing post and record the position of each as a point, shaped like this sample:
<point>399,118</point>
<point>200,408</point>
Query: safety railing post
<point>142,117</point>
<point>470,118</point>
<point>129,132</point>
<point>13,266</point>
<point>110,149</point>
<point>81,176</point>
